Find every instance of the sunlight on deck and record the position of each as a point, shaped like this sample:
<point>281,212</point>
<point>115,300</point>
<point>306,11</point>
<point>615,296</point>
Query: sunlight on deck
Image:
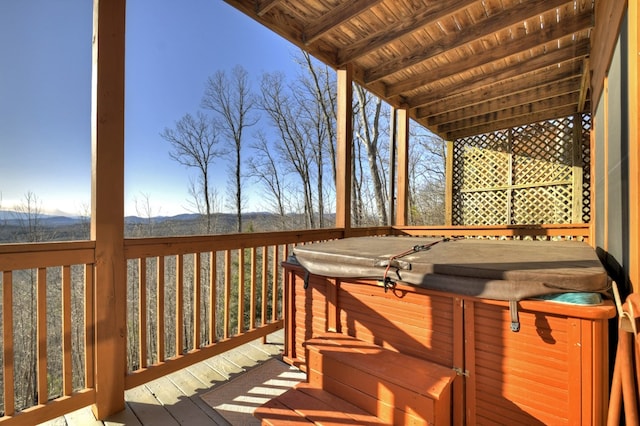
<point>235,383</point>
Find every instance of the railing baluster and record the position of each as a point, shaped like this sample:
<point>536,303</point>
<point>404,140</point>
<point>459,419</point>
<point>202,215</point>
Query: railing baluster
<point>67,369</point>
<point>240,291</point>
<point>213,279</point>
<point>179,304</point>
<point>142,311</point>
<point>274,284</point>
<point>160,309</point>
<point>197,264</point>
<point>89,327</point>
<point>252,299</point>
<point>265,295</point>
<point>41,331</point>
<point>227,291</point>
<point>7,343</point>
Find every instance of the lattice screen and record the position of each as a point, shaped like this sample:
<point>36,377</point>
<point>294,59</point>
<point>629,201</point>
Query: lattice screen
<point>533,174</point>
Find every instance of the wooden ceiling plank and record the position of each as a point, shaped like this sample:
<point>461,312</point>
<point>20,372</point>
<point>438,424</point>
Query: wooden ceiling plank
<point>433,13</point>
<point>502,102</point>
<point>515,111</point>
<point>562,78</point>
<point>492,24</point>
<point>263,6</point>
<point>550,33</point>
<point>513,122</point>
<point>336,17</point>
<point>561,56</point>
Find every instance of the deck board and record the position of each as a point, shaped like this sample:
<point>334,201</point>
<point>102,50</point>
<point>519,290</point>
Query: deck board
<point>174,400</point>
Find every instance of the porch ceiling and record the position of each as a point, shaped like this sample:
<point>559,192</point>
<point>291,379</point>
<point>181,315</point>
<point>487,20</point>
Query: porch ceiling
<point>462,67</point>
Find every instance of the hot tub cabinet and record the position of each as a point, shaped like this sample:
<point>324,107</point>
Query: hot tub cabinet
<point>553,370</point>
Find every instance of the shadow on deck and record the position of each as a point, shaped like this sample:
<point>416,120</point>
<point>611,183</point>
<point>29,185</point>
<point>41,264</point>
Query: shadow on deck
<point>175,399</point>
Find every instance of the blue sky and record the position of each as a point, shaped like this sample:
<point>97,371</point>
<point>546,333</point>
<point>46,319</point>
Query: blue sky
<point>45,82</point>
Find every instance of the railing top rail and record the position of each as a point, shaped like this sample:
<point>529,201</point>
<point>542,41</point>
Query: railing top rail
<point>155,246</point>
<point>42,255</point>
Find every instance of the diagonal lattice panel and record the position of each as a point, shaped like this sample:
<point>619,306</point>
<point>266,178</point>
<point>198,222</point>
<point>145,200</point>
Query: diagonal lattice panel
<point>523,175</point>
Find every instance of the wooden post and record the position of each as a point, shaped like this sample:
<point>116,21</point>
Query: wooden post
<point>402,209</point>
<point>392,167</point>
<point>448,197</point>
<point>634,142</point>
<point>344,128</point>
<point>576,208</point>
<point>107,204</point>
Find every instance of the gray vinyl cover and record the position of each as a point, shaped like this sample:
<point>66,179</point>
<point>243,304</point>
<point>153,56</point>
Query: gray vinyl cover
<point>494,269</point>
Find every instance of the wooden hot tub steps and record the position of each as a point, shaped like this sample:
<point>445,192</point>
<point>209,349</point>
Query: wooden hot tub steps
<point>367,384</point>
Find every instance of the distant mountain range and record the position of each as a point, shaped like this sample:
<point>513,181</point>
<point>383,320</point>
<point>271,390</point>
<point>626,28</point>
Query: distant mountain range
<point>10,217</point>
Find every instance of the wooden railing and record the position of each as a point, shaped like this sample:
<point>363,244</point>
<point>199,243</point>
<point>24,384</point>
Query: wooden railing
<point>47,330</point>
<point>213,292</point>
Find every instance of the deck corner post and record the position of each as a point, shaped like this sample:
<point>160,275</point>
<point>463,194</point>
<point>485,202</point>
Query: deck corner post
<point>344,127</point>
<point>402,208</point>
<point>107,205</point>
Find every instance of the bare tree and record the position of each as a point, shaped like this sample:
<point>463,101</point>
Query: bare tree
<point>368,134</point>
<point>294,147</point>
<point>264,168</point>
<point>233,102</point>
<point>193,142</point>
<point>426,178</point>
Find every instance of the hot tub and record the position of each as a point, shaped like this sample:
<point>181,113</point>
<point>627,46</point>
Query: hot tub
<point>455,302</point>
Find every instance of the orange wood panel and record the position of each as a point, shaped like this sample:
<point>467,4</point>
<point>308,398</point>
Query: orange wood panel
<point>552,371</point>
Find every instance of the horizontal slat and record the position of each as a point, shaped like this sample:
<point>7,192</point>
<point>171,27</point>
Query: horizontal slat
<point>44,255</point>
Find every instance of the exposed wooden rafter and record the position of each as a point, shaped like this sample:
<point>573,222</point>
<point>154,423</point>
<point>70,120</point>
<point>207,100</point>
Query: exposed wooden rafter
<point>549,34</point>
<point>429,15</point>
<point>457,66</point>
<point>337,16</point>
<point>488,26</point>
<point>263,6</point>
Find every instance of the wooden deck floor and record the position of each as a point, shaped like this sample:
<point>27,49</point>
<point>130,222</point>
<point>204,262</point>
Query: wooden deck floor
<point>175,399</point>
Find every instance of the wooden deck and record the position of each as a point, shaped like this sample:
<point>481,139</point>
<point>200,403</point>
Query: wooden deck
<point>175,399</point>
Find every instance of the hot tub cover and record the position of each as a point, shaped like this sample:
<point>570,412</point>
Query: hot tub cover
<point>494,269</point>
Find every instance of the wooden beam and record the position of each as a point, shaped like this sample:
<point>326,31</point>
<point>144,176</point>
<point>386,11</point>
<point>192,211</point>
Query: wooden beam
<point>344,130</point>
<point>559,81</point>
<point>577,170</point>
<point>525,102</point>
<point>550,34</point>
<point>534,107</point>
<point>448,198</point>
<point>513,122</point>
<point>107,204</point>
<point>467,35</point>
<point>336,17</point>
<point>634,144</point>
<point>263,6</point>
<point>402,210</point>
<point>585,84</point>
<point>561,58</point>
<point>608,18</point>
<point>433,13</point>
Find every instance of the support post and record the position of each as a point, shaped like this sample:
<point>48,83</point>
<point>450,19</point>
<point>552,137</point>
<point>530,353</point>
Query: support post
<point>107,204</point>
<point>344,127</point>
<point>392,167</point>
<point>448,190</point>
<point>402,210</point>
<point>576,207</point>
